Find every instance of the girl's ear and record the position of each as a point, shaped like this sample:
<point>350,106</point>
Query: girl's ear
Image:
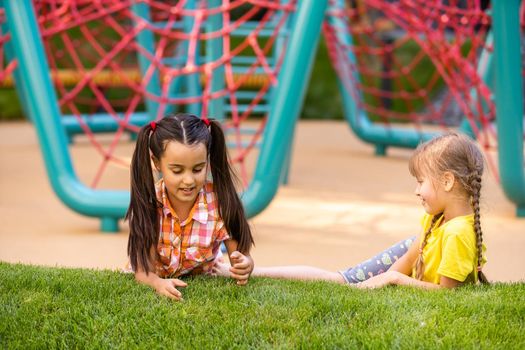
<point>448,181</point>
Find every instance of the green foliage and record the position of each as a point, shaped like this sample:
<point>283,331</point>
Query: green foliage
<point>78,308</point>
<point>322,100</point>
<point>10,108</point>
<point>421,78</point>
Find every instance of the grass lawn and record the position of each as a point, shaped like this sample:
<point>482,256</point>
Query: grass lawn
<point>77,308</point>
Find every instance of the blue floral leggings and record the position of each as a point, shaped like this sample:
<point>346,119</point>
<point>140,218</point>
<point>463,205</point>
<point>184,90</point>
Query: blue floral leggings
<point>378,264</point>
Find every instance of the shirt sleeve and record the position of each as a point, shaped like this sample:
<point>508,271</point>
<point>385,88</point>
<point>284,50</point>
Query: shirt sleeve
<point>457,259</point>
<point>220,232</point>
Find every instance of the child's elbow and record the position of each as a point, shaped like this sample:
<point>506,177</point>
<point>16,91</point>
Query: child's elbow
<point>447,282</point>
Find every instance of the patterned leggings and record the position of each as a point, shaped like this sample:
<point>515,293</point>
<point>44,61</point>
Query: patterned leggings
<point>378,264</point>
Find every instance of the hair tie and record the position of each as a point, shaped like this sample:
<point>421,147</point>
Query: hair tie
<point>479,268</point>
<point>206,121</point>
<point>153,125</point>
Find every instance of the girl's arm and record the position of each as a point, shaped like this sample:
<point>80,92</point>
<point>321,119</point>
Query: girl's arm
<point>399,274</point>
<point>241,264</point>
<point>400,279</point>
<point>166,287</point>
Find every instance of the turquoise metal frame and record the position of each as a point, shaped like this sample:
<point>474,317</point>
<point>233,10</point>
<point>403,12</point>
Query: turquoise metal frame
<point>275,151</point>
<point>379,135</point>
<point>42,105</point>
<point>35,87</point>
<point>497,70</point>
<point>509,97</point>
<point>9,56</point>
<point>145,38</point>
<point>110,206</point>
<point>286,106</point>
<point>184,85</point>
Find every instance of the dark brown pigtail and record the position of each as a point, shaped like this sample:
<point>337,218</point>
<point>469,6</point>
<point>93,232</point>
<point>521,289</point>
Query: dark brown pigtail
<point>475,184</point>
<point>143,208</point>
<point>231,209</point>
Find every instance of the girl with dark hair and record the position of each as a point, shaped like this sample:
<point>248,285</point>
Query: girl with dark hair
<point>178,223</point>
<point>448,253</point>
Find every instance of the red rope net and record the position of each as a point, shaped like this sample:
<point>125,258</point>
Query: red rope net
<point>415,61</point>
<point>7,67</point>
<point>93,49</point>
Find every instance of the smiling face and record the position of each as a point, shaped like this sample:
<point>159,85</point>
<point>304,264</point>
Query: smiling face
<point>432,194</point>
<point>183,169</point>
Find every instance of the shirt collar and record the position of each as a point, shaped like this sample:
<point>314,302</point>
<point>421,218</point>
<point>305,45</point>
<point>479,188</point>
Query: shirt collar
<point>199,211</point>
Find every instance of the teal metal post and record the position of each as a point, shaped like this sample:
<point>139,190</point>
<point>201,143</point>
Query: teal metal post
<point>509,100</point>
<point>289,95</point>
<point>9,56</point>
<point>279,46</point>
<point>104,122</point>
<point>485,70</point>
<point>42,105</point>
<point>193,84</point>
<point>146,39</point>
<point>214,51</point>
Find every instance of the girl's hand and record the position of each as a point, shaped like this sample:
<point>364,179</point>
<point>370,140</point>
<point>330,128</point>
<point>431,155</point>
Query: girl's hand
<point>168,287</point>
<point>242,267</point>
<point>384,279</point>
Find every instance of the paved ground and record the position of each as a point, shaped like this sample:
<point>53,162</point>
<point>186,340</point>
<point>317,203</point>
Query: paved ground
<point>341,206</point>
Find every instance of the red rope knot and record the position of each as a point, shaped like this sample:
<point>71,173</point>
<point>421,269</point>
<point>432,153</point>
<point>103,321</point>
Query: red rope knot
<point>153,125</point>
<point>206,121</point>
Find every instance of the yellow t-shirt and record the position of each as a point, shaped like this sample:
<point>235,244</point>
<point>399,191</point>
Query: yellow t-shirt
<point>450,250</point>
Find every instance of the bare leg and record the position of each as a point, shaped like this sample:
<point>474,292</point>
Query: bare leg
<point>371,267</point>
<point>299,272</point>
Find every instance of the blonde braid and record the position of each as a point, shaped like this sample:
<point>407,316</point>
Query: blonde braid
<point>475,184</point>
<point>420,264</point>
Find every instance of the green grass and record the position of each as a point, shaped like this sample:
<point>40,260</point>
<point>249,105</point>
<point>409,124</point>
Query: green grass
<point>78,308</point>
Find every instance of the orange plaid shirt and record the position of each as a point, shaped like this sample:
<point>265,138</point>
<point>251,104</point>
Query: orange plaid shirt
<point>191,246</point>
